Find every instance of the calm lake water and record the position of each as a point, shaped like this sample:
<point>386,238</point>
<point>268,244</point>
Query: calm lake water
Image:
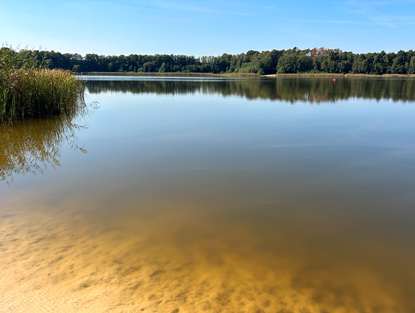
<point>213,195</point>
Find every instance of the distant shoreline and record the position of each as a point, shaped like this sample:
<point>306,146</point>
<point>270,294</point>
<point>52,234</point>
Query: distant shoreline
<point>177,74</point>
<point>328,75</point>
<point>252,75</point>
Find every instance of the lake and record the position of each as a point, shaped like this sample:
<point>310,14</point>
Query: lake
<point>213,195</point>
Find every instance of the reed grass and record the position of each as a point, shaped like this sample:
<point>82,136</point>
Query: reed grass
<point>29,89</point>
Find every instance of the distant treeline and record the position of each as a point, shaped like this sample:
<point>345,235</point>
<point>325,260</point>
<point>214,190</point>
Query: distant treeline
<point>316,60</point>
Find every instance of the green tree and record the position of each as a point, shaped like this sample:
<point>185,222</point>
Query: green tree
<point>287,63</point>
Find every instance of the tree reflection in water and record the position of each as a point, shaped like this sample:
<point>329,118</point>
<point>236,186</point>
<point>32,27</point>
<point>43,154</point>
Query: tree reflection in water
<point>311,90</point>
<point>30,146</point>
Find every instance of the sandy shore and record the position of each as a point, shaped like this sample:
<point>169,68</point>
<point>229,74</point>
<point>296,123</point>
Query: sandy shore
<point>327,75</point>
<point>169,74</point>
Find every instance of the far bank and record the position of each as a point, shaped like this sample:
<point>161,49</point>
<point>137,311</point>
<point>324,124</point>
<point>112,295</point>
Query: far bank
<point>248,75</point>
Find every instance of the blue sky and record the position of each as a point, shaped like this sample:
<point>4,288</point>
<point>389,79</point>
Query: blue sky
<point>209,27</point>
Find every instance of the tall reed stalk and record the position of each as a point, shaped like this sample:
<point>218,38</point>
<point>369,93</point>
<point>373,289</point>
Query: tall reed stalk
<point>29,89</point>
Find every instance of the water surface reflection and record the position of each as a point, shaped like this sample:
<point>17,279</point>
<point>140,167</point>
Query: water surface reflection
<point>31,146</point>
<point>287,89</point>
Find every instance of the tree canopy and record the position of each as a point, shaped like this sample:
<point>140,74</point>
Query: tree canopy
<point>316,60</point>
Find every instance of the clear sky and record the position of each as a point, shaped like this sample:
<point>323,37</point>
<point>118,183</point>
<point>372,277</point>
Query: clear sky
<point>209,27</point>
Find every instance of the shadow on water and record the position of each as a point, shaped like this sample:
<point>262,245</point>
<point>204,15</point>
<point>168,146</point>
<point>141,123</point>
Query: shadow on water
<point>30,146</point>
<point>288,89</point>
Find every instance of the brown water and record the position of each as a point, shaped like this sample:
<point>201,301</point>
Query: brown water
<point>207,195</point>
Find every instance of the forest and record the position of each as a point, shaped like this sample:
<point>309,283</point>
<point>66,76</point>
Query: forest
<point>316,60</point>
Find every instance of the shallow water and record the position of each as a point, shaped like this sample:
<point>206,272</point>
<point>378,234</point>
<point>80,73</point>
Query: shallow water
<point>213,195</point>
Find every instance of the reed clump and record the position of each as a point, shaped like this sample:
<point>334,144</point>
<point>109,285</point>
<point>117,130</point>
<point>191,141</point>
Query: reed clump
<point>29,89</point>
